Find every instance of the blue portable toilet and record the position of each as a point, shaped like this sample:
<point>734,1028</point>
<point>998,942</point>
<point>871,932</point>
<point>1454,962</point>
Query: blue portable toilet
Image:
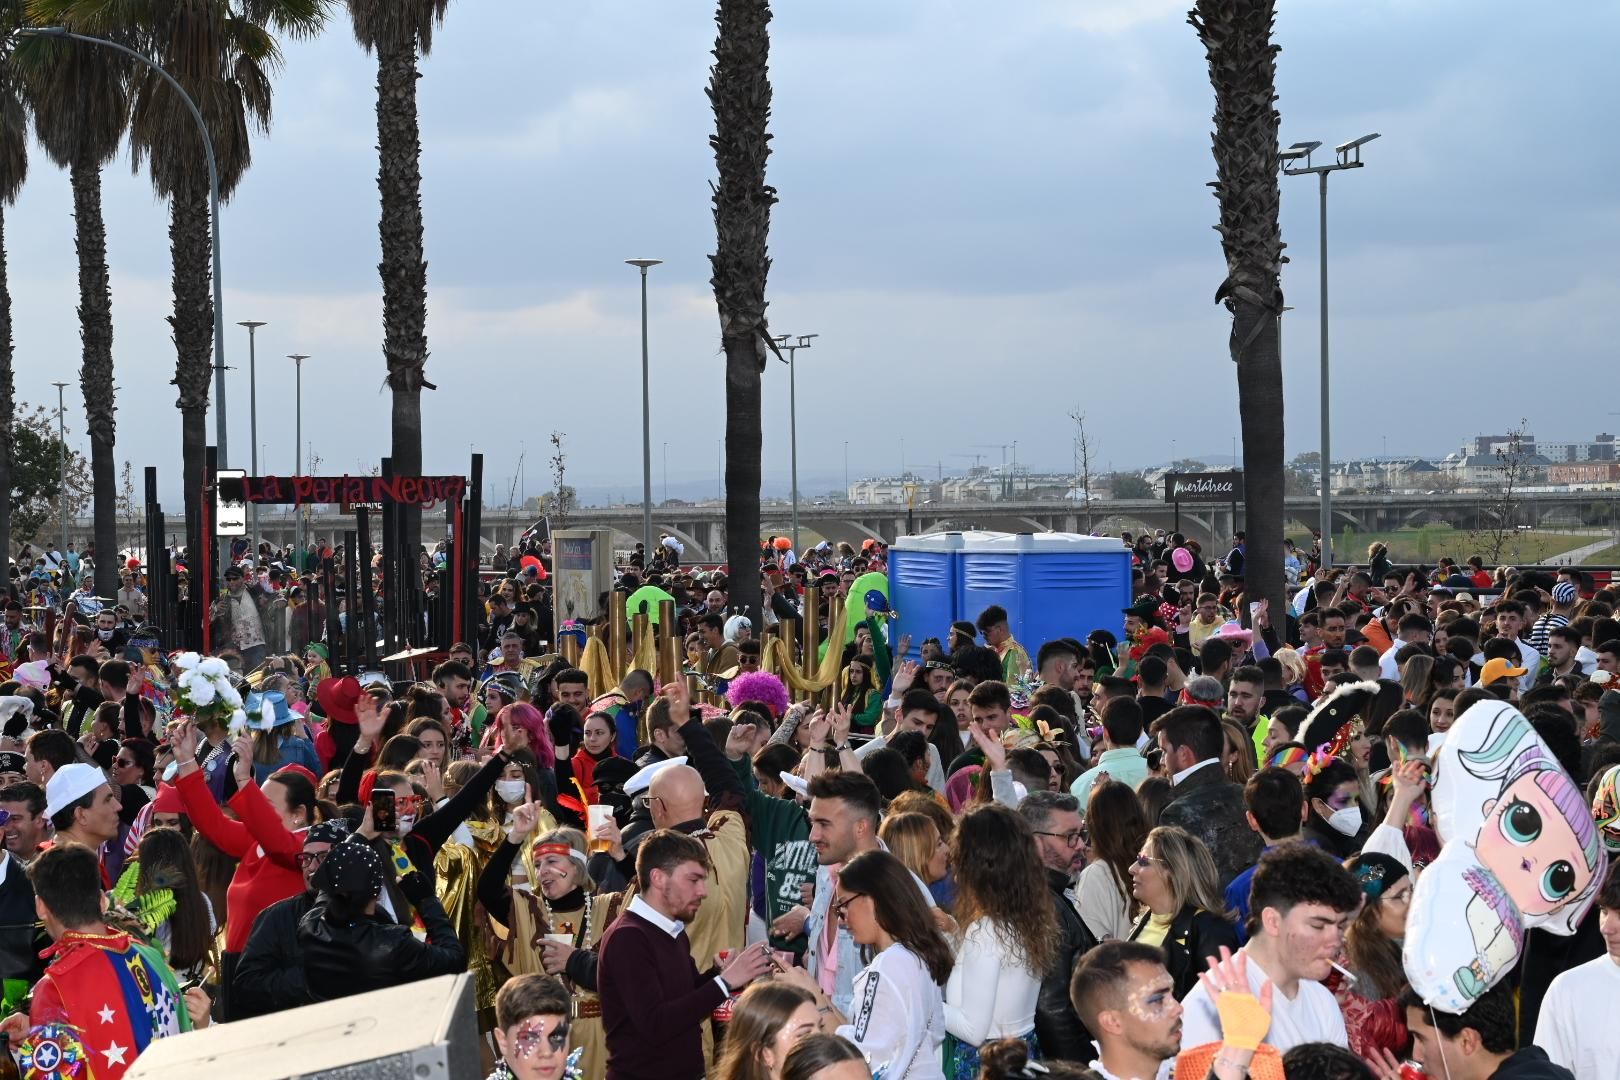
<point>925,585</point>
<point>1052,584</point>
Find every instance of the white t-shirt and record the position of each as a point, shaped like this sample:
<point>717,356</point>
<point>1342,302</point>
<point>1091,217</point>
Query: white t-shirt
<point>1311,1016</point>
<point>899,1017</point>
<point>1576,1025</point>
<point>991,993</point>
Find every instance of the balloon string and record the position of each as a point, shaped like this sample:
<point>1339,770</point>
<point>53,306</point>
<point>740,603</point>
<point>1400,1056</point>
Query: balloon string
<point>1439,1042</point>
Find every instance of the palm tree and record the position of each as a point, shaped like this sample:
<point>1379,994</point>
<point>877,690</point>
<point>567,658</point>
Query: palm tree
<point>13,171</point>
<point>223,54</point>
<point>398,31</point>
<point>80,96</point>
<point>740,94</point>
<point>1236,35</point>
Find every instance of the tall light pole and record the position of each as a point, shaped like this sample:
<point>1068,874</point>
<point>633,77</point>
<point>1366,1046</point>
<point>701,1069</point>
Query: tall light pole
<point>804,342</point>
<point>646,414</point>
<point>298,459</point>
<point>1347,156</point>
<point>61,465</point>
<point>213,207</point>
<point>253,421</point>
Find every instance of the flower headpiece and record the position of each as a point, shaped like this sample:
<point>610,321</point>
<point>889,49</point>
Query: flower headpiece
<point>1147,640</point>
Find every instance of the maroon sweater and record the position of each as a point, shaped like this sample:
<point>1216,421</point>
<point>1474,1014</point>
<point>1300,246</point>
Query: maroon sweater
<point>654,1002</point>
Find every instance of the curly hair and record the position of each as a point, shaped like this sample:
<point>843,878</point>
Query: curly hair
<point>1000,877</point>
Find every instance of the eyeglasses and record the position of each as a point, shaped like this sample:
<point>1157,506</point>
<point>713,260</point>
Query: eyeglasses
<point>527,1040</point>
<point>308,859</point>
<point>1070,839</point>
<point>840,908</point>
<point>1145,861</point>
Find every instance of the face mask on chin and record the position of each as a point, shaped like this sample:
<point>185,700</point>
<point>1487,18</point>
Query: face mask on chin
<point>104,635</point>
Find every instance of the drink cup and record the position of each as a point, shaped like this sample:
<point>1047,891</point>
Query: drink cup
<point>595,815</point>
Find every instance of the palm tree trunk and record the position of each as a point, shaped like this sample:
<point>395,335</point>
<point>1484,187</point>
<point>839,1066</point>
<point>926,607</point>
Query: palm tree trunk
<point>8,396</point>
<point>743,445</point>
<point>96,367</point>
<point>1258,351</point>
<point>191,252</point>
<point>740,95</point>
<point>403,269</point>
<point>1236,35</point>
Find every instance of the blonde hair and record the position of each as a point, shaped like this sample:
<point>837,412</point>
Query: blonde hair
<point>912,838</point>
<point>1293,666</point>
<point>1189,869</point>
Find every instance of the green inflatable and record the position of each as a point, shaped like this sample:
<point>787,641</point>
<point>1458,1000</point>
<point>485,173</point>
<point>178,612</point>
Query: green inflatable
<point>647,598</point>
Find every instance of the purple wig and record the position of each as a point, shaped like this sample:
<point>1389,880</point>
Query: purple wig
<point>759,686</point>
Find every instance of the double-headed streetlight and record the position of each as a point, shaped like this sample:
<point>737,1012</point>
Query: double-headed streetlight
<point>646,416</point>
<point>1296,161</point>
<point>298,458</point>
<point>253,421</point>
<point>804,342</point>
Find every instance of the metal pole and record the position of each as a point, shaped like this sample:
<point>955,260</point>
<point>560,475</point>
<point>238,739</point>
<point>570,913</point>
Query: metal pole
<point>1327,453</point>
<point>61,441</point>
<point>253,420</point>
<point>646,427</point>
<point>298,458</point>
<point>646,413</point>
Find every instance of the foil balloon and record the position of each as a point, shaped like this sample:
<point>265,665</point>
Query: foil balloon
<point>1520,850</point>
<point>52,1052</point>
<point>857,613</point>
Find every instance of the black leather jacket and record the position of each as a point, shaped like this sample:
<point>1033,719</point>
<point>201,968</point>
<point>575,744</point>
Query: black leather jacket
<point>373,952</point>
<point>1058,1028</point>
<point>270,973</point>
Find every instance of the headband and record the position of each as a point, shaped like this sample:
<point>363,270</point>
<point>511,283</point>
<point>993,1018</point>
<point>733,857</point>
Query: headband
<point>555,848</point>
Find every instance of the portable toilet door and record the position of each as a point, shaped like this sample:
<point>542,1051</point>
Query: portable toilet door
<point>1052,584</point>
<point>925,586</point>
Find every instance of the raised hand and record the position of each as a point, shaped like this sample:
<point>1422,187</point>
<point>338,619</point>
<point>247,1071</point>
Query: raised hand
<point>680,702</point>
<point>370,717</point>
<point>524,818</point>
<point>904,676</point>
<point>842,716</point>
<point>243,766</point>
<point>995,755</point>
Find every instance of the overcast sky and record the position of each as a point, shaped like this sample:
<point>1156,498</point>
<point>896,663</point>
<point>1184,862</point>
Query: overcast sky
<point>993,215</point>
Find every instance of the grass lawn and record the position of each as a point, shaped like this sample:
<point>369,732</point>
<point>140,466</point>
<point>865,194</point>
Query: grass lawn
<point>1429,543</point>
<point>1609,556</point>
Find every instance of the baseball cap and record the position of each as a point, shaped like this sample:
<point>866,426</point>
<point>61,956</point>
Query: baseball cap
<point>1497,668</point>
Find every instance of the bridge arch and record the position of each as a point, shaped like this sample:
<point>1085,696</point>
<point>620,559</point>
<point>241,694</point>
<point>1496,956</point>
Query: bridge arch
<point>694,550</point>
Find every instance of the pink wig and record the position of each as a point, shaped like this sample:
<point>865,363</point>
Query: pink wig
<point>759,686</point>
<point>527,717</point>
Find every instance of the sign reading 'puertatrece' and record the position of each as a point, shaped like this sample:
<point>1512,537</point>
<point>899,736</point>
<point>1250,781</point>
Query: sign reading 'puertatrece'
<point>1216,487</point>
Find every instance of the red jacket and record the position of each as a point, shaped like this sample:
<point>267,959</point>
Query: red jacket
<point>268,850</point>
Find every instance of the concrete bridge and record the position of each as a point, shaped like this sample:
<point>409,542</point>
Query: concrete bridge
<point>702,527</point>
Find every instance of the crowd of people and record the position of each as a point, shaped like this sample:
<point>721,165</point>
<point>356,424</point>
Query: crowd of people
<point>1189,850</point>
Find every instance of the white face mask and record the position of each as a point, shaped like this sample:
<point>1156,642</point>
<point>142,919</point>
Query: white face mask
<point>1346,821</point>
<point>510,791</point>
<point>104,635</point>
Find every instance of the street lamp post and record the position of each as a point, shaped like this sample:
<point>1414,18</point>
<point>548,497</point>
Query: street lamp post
<point>1346,156</point>
<point>646,414</point>
<point>298,458</point>
<point>61,465</point>
<point>253,421</point>
<point>213,206</point>
<point>804,342</point>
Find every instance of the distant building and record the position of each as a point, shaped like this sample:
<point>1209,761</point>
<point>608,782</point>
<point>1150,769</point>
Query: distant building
<point>1587,472</point>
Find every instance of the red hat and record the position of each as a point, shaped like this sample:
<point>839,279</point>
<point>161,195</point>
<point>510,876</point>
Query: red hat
<point>367,782</point>
<point>301,771</point>
<point>168,800</point>
<point>135,564</point>
<point>337,698</point>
